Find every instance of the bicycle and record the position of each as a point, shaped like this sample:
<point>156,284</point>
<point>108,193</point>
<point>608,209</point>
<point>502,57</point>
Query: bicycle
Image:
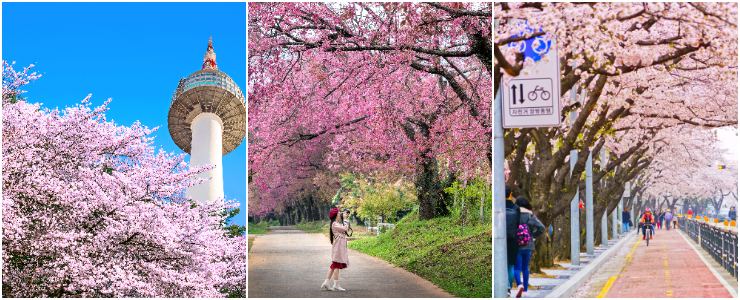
<point>545,95</point>
<point>648,231</point>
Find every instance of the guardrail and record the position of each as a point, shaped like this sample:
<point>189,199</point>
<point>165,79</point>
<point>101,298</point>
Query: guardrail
<point>378,227</point>
<point>721,243</point>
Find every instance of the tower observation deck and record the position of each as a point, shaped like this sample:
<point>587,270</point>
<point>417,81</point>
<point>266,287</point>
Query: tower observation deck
<point>207,119</point>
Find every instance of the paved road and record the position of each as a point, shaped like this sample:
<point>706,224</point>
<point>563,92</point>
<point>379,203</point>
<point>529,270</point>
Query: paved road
<point>291,263</point>
<point>668,268</point>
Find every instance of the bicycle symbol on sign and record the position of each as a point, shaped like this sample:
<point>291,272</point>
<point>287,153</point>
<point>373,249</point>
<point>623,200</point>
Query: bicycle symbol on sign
<point>545,95</point>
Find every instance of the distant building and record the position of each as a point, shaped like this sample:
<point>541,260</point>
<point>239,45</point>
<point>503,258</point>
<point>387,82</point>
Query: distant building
<point>207,119</point>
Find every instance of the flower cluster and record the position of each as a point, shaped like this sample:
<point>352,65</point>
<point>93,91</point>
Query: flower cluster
<point>91,209</point>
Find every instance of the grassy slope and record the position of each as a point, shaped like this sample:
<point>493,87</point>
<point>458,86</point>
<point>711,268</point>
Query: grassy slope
<point>454,257</point>
<point>249,246</point>
<point>260,228</point>
<point>314,227</point>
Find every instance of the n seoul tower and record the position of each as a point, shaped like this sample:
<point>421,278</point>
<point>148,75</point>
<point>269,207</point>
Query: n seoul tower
<point>207,119</point>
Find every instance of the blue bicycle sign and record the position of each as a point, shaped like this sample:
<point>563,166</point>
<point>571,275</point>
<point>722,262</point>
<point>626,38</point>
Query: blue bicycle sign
<point>534,48</point>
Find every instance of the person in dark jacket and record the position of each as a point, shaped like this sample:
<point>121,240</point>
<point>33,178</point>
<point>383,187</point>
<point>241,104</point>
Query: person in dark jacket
<point>512,246</point>
<point>626,219</point>
<point>659,218</point>
<point>733,213</point>
<point>535,228</point>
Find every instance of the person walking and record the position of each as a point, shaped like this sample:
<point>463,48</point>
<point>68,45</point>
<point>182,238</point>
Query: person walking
<point>658,218</point>
<point>513,217</point>
<point>690,212</point>
<point>339,258</point>
<point>530,228</point>
<point>668,217</point>
<point>626,219</point>
<point>675,220</point>
<point>665,219</point>
<point>733,213</point>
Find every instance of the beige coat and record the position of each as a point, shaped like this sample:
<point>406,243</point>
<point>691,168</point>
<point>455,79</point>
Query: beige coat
<point>339,248</point>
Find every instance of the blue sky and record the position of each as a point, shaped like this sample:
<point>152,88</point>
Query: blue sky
<point>134,53</point>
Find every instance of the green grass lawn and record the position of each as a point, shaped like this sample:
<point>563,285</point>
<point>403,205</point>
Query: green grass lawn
<point>261,227</point>
<point>358,231</point>
<point>454,257</point>
<point>314,227</point>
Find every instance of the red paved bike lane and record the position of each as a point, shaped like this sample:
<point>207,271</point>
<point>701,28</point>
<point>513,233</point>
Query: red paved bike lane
<point>668,268</point>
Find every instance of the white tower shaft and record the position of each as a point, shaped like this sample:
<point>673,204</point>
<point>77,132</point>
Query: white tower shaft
<point>207,149</point>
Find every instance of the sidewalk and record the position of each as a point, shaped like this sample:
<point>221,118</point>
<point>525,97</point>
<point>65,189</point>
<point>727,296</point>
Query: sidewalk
<point>290,263</point>
<point>668,268</point>
<point>544,287</point>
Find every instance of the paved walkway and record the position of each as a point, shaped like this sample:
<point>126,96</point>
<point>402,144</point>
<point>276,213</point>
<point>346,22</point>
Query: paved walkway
<point>290,263</point>
<point>668,268</point>
<point>543,286</point>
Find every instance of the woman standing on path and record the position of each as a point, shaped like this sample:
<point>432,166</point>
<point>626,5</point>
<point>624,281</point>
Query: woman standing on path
<point>535,228</point>
<point>339,259</point>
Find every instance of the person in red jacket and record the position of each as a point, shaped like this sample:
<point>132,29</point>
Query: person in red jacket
<point>690,212</point>
<point>647,218</point>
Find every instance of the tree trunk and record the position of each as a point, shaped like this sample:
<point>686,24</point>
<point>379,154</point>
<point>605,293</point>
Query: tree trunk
<point>428,189</point>
<point>561,238</point>
<point>542,254</point>
<point>7,291</point>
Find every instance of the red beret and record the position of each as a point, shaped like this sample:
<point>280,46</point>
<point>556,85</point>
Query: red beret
<point>333,213</point>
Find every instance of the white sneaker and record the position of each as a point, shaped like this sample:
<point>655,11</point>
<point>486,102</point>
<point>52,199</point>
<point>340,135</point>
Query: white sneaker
<point>519,291</point>
<point>336,286</point>
<point>326,285</point>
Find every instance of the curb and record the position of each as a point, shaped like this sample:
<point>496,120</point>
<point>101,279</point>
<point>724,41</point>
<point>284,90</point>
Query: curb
<point>567,289</point>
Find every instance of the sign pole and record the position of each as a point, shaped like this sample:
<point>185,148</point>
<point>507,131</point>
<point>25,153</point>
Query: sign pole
<point>604,230</point>
<point>632,211</point>
<point>589,205</point>
<point>529,100</point>
<point>615,235</point>
<point>575,232</point>
<point>604,225</point>
<point>499,206</point>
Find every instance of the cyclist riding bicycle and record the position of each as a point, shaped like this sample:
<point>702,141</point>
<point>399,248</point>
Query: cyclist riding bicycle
<point>647,218</point>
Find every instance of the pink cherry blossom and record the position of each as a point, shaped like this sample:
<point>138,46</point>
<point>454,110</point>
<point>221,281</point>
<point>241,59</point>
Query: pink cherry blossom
<point>365,87</point>
<point>91,209</point>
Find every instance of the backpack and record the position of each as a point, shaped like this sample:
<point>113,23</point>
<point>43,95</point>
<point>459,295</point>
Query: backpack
<point>523,235</point>
<point>512,223</point>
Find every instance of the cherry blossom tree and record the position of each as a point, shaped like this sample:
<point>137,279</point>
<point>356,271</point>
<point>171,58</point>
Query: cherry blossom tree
<point>397,86</point>
<point>642,70</point>
<point>90,209</point>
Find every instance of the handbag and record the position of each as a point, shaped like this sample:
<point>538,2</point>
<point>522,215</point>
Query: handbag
<point>631,223</point>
